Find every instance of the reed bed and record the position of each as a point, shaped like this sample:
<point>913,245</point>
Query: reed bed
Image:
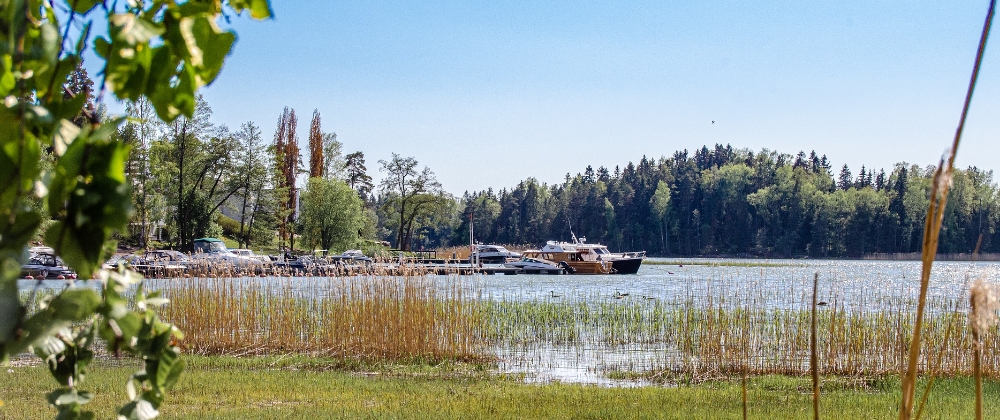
<point>370,318</point>
<point>714,331</point>
<point>723,338</point>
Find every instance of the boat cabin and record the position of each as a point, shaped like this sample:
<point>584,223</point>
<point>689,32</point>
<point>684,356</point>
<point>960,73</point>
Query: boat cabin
<point>583,261</point>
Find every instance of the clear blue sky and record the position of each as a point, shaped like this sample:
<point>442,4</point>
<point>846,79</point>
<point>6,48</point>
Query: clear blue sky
<point>489,93</point>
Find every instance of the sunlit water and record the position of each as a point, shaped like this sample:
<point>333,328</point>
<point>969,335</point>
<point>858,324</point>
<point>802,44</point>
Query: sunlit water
<point>774,284</point>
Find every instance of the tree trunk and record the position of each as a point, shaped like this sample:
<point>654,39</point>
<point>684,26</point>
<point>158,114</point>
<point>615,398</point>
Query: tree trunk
<point>182,219</point>
<point>399,238</point>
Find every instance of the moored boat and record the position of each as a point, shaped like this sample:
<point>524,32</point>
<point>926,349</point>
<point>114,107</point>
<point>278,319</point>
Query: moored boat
<point>531,265</point>
<point>580,261</point>
<point>492,254</point>
<point>622,262</point>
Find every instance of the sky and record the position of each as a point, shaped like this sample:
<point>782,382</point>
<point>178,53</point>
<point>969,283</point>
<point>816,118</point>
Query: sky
<point>487,94</point>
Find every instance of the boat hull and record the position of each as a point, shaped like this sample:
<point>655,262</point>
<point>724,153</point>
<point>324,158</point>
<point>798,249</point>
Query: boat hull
<point>626,265</point>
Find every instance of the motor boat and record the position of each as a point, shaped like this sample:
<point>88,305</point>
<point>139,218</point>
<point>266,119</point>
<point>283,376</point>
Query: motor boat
<point>537,266</point>
<point>622,262</point>
<point>577,261</point>
<point>152,263</point>
<point>45,265</point>
<point>212,255</point>
<point>249,254</point>
<point>492,254</point>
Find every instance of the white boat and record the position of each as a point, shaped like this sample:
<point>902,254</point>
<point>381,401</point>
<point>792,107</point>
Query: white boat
<point>212,251</point>
<point>242,252</point>
<point>536,266</point>
<point>492,254</point>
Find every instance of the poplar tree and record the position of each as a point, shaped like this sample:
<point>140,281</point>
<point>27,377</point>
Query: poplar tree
<point>315,147</point>
<point>286,146</point>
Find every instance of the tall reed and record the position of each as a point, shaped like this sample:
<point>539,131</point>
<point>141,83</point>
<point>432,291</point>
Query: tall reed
<point>371,318</point>
<point>932,226</point>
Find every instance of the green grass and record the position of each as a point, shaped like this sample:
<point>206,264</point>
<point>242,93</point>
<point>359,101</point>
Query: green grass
<point>302,387</point>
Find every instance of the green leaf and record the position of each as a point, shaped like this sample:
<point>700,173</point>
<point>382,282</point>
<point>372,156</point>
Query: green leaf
<point>74,304</point>
<point>206,45</point>
<point>63,396</point>
<point>10,304</point>
<point>88,191</point>
<point>23,229</point>
<point>259,9</point>
<point>64,135</point>
<point>132,29</point>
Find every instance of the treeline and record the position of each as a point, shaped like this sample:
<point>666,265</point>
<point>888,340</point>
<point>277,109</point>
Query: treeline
<point>726,201</point>
<point>192,178</point>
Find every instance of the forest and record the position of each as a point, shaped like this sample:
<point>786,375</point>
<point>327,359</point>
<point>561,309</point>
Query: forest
<point>192,178</point>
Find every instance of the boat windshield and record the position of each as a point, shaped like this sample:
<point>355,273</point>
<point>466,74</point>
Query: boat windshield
<point>211,247</point>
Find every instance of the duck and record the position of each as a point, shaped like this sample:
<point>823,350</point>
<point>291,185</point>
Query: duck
<point>648,297</point>
<point>552,293</point>
<point>822,303</point>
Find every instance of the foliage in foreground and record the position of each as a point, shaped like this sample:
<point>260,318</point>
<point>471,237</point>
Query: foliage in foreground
<point>58,161</point>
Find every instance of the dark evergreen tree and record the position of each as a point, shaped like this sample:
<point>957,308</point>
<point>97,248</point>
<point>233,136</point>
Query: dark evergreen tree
<point>357,174</point>
<point>844,181</point>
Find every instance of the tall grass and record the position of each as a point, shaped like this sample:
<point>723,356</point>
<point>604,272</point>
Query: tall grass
<point>371,318</point>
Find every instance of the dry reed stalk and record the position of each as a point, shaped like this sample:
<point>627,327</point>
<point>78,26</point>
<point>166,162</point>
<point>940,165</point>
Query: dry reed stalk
<point>371,318</point>
<point>743,361</point>
<point>813,358</point>
<point>940,356</point>
<point>932,227</point>
<point>983,307</point>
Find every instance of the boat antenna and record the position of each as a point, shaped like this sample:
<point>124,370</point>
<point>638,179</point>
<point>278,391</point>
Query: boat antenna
<point>571,234</point>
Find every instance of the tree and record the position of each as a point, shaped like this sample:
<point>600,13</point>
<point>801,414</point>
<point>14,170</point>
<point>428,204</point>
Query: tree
<point>333,162</point>
<point>332,216</point>
<point>357,174</point>
<point>660,203</point>
<point>195,158</point>
<point>140,130</point>
<point>255,170</point>
<point>409,192</point>
<point>85,190</point>
<point>79,85</point>
<point>287,160</point>
<point>844,181</point>
<point>316,148</point>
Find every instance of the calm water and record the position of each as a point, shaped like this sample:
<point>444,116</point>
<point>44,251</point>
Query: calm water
<point>783,283</point>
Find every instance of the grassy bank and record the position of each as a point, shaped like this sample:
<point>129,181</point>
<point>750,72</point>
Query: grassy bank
<point>297,387</point>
